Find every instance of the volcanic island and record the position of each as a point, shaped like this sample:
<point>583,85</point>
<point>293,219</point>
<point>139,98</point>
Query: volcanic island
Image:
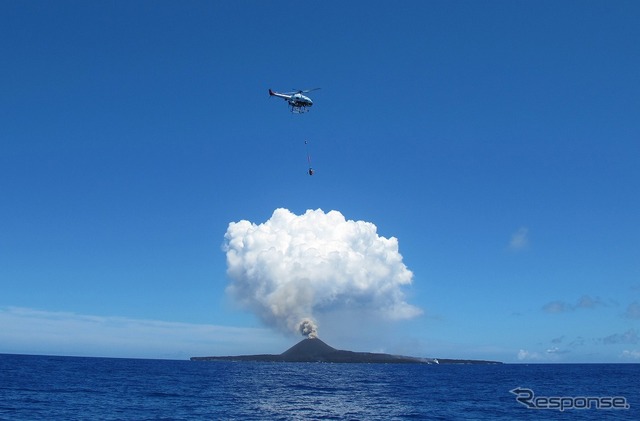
<point>313,350</point>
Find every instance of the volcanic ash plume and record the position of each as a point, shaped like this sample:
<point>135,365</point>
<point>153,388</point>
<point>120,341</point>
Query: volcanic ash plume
<point>308,328</point>
<point>294,267</point>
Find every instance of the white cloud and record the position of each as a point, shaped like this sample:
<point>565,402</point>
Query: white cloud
<point>524,355</point>
<point>631,354</point>
<point>556,350</point>
<point>519,239</point>
<point>30,331</point>
<point>550,354</point>
<point>294,267</point>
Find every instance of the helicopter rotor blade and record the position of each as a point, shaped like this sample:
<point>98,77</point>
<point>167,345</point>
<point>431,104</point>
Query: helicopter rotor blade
<point>304,91</point>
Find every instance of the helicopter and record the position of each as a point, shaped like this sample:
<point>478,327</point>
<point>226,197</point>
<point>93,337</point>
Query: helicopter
<point>298,103</point>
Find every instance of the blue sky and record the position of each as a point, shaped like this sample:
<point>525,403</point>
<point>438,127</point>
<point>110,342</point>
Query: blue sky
<point>497,141</point>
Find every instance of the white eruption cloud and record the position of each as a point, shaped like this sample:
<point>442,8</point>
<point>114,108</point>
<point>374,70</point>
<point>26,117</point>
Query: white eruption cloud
<point>292,267</point>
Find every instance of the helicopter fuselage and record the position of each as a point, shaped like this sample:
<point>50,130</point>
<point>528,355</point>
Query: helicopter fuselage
<point>298,102</point>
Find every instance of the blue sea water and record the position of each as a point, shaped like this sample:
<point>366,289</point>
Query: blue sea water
<point>74,388</point>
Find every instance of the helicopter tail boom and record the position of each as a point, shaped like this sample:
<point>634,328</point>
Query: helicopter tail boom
<point>278,94</point>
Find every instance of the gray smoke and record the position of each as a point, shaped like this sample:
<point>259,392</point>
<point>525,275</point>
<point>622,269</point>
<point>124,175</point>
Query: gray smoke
<point>292,268</point>
<point>308,328</point>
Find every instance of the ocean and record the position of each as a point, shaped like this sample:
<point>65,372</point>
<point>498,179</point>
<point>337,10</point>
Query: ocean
<point>78,388</point>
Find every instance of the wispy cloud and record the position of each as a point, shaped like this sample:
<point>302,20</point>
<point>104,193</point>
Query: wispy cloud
<point>579,341</point>
<point>633,311</point>
<point>555,307</point>
<point>584,302</point>
<point>628,337</point>
<point>567,342</point>
<point>30,331</point>
<point>519,240</point>
<point>587,302</point>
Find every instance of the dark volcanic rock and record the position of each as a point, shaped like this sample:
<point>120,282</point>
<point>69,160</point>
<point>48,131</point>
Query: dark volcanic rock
<point>315,350</point>
<point>308,350</point>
